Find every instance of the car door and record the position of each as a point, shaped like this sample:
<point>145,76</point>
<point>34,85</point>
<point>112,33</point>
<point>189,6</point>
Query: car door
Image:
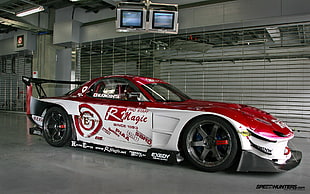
<point>113,113</point>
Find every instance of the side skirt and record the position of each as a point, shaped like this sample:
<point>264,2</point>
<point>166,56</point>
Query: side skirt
<point>171,157</point>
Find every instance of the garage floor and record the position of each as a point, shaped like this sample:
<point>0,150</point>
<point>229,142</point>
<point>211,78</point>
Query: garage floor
<point>29,165</point>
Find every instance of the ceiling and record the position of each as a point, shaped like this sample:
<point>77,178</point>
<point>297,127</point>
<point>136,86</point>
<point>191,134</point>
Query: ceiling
<point>9,22</point>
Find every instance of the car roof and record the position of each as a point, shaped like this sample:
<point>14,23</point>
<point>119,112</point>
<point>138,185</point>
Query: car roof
<point>137,79</point>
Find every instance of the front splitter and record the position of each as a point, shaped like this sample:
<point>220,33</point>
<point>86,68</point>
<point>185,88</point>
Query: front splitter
<point>250,162</point>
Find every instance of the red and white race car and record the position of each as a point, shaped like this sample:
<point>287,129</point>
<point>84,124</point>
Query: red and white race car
<point>149,118</point>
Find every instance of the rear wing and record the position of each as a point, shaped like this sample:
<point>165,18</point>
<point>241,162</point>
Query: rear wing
<point>29,81</point>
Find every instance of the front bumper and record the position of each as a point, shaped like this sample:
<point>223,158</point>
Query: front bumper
<point>250,162</point>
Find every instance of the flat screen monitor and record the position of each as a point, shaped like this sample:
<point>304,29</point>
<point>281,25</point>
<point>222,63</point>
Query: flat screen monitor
<point>163,20</point>
<point>131,19</point>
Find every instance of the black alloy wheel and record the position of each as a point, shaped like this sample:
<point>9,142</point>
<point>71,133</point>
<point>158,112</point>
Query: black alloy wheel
<point>57,127</point>
<point>210,143</point>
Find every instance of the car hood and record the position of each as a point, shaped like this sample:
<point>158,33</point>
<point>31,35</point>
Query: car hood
<point>256,120</point>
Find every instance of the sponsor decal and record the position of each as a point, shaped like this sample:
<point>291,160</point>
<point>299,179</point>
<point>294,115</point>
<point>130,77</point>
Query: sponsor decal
<point>132,127</point>
<point>81,145</point>
<point>119,125</point>
<point>106,131</point>
<point>98,95</point>
<point>137,154</point>
<point>125,126</point>
<point>153,154</point>
<point>84,89</point>
<point>118,133</point>
<point>88,123</point>
<point>99,137</point>
<point>113,132</point>
<point>114,150</point>
<point>108,149</point>
<point>262,149</point>
<point>122,134</point>
<point>37,119</point>
<point>144,137</point>
<point>160,156</point>
<point>132,135</point>
<point>115,114</point>
<point>119,114</point>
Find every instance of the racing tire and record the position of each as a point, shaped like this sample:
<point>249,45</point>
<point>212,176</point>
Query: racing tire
<point>57,129</point>
<point>210,143</point>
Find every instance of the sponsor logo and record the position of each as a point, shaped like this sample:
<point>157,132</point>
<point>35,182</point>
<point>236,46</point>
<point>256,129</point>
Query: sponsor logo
<point>81,145</point>
<point>144,137</point>
<point>84,145</point>
<point>114,150</point>
<point>99,138</point>
<point>88,123</point>
<point>160,156</point>
<point>98,95</point>
<point>132,135</point>
<point>137,154</point>
<point>122,134</point>
<point>106,131</point>
<point>262,149</point>
<point>126,114</point>
<point>84,89</point>
<point>38,120</point>
<point>117,132</point>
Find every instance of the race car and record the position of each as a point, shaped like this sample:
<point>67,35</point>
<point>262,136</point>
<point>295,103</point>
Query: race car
<point>149,118</point>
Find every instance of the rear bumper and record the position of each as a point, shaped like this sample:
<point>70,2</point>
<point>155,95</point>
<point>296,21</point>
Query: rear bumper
<point>250,162</point>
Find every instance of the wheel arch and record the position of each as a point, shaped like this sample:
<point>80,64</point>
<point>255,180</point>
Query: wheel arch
<point>51,105</point>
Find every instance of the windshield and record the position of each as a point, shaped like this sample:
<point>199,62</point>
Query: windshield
<point>165,93</point>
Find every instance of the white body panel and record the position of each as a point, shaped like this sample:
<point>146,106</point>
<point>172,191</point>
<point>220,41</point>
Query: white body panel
<point>142,129</point>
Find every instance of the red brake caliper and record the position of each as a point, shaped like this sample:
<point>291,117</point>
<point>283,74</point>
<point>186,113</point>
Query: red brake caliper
<point>62,126</point>
<point>221,142</point>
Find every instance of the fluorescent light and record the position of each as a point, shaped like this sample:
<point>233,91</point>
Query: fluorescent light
<point>30,11</point>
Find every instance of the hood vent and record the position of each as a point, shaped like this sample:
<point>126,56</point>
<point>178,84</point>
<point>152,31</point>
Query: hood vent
<point>279,134</point>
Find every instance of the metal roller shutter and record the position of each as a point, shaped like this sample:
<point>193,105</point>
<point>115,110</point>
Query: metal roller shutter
<point>12,90</point>
<point>266,67</point>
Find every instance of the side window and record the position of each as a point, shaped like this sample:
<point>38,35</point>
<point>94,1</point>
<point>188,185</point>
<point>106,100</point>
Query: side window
<point>116,88</point>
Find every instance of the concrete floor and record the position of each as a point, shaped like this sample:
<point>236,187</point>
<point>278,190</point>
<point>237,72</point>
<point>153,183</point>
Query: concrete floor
<point>29,165</point>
